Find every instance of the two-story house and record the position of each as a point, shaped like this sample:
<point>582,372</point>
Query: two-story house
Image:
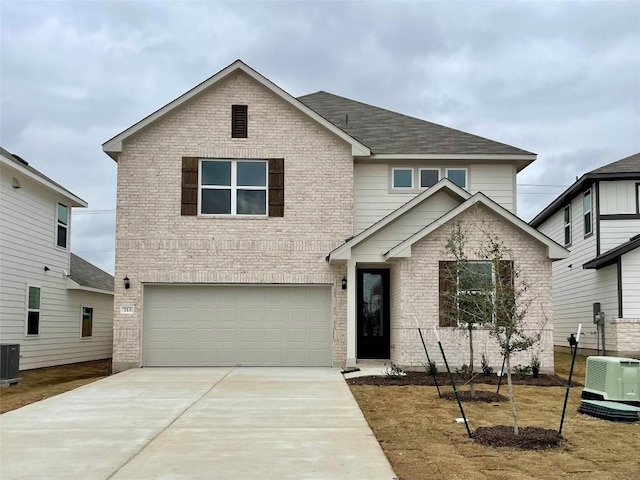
<point>55,305</point>
<point>255,228</point>
<point>598,220</point>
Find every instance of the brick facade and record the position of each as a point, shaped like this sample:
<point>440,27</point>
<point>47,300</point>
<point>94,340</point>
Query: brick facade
<point>154,243</point>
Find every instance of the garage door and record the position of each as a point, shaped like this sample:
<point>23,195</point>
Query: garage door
<point>207,325</point>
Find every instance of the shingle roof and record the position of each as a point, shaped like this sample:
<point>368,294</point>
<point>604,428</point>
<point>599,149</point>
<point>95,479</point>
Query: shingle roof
<point>387,132</point>
<point>88,275</point>
<point>629,164</point>
<point>610,257</point>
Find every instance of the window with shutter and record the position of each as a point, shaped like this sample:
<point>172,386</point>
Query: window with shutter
<point>239,120</point>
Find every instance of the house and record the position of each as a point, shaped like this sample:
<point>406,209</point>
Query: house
<point>598,220</point>
<point>54,304</point>
<point>255,228</point>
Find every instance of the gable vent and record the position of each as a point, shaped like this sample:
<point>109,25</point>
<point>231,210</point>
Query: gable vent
<point>238,121</point>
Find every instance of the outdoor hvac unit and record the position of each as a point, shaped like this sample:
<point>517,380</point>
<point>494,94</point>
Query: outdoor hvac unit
<point>9,362</point>
<point>614,379</point>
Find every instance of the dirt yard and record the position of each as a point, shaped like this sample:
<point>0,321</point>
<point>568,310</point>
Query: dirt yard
<point>42,383</point>
<point>419,435</point>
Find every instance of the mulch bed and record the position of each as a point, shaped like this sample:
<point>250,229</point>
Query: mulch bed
<point>481,396</point>
<point>423,378</point>
<point>528,438</point>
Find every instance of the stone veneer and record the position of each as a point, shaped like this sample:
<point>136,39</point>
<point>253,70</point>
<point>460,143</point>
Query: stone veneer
<point>155,244</point>
<point>624,337</point>
<point>414,294</point>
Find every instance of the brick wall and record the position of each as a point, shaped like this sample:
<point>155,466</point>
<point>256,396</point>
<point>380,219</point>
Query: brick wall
<point>154,243</point>
<point>415,295</point>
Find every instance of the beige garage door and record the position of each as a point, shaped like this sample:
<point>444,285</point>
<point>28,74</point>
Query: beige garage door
<point>203,325</point>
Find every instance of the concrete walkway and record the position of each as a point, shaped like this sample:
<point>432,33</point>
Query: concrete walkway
<point>196,423</point>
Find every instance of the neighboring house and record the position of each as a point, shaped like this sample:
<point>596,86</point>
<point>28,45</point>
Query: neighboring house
<point>598,220</point>
<point>254,228</point>
<point>57,306</point>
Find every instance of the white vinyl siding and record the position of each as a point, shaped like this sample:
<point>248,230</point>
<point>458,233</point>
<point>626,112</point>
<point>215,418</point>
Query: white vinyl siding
<point>374,197</point>
<point>27,245</point>
<point>618,197</point>
<point>617,232</point>
<point>631,284</point>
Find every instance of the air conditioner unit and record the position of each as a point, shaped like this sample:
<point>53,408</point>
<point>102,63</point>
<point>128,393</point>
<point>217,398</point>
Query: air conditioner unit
<point>615,379</point>
<point>9,363</point>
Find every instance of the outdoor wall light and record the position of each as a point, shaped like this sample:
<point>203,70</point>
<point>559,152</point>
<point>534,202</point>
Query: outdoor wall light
<point>127,283</point>
<point>344,283</point>
<point>46,269</point>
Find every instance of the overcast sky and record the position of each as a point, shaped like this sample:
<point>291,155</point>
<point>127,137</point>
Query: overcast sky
<point>561,79</point>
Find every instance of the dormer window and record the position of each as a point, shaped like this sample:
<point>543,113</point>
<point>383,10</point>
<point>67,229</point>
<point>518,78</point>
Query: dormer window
<point>62,224</point>
<point>239,121</point>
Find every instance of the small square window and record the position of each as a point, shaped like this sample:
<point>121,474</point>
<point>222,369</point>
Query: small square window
<point>458,176</point>
<point>429,177</point>
<point>403,178</point>
<point>87,322</point>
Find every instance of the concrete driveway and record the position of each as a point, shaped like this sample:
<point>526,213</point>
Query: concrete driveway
<point>196,423</point>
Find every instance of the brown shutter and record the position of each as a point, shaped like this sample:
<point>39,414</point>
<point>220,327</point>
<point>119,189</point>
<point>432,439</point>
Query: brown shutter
<point>505,295</point>
<point>239,121</point>
<point>276,187</point>
<point>447,293</point>
<point>189,204</point>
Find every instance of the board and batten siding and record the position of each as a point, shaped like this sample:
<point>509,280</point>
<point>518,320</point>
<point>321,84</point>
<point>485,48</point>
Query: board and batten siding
<point>27,245</point>
<point>374,199</point>
<point>617,232</point>
<point>631,284</point>
<point>618,197</point>
<point>574,288</point>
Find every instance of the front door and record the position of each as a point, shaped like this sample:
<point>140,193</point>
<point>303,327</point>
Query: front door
<point>373,313</point>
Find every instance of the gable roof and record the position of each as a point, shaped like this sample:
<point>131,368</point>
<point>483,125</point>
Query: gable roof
<point>554,250</point>
<point>387,132</point>
<point>343,252</point>
<point>113,146</point>
<point>87,276</point>
<point>17,163</point>
<point>612,256</point>
<point>626,168</point>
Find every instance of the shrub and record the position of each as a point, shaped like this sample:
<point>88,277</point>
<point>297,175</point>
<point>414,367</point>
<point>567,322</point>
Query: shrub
<point>431,368</point>
<point>522,371</point>
<point>393,371</point>
<point>486,369</point>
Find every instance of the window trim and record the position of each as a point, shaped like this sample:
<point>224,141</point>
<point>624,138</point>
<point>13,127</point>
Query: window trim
<point>233,187</point>
<point>421,169</point>
<point>64,225</point>
<point>82,309</point>
<point>29,310</point>
<point>466,175</point>
<point>567,224</point>
<point>393,179</point>
<point>588,212</point>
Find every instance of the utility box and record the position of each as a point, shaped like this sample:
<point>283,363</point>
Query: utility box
<point>9,363</point>
<point>615,379</point>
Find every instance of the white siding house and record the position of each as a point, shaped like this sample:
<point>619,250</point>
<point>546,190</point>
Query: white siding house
<point>598,220</point>
<point>49,302</point>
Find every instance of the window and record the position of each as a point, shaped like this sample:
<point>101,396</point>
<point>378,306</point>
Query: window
<point>475,292</point>
<point>239,121</point>
<point>567,225</point>
<point>33,311</point>
<point>233,187</point>
<point>638,198</point>
<point>458,176</point>
<point>62,223</point>
<point>402,178</point>
<point>429,177</point>
<point>586,208</point>
<point>87,322</point>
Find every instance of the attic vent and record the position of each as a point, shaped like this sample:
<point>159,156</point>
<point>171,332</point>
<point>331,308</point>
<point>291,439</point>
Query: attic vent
<point>238,121</point>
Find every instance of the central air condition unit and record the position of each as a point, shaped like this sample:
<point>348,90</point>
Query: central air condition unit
<point>614,379</point>
<point>9,363</point>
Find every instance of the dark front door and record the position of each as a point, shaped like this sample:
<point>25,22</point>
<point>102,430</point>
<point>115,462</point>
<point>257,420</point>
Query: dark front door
<point>373,313</point>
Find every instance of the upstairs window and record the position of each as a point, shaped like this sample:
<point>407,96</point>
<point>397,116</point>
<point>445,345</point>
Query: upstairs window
<point>87,322</point>
<point>233,187</point>
<point>33,311</point>
<point>62,223</point>
<point>429,177</point>
<point>458,176</point>
<point>239,121</point>
<point>567,225</point>
<point>402,178</point>
<point>586,208</point>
